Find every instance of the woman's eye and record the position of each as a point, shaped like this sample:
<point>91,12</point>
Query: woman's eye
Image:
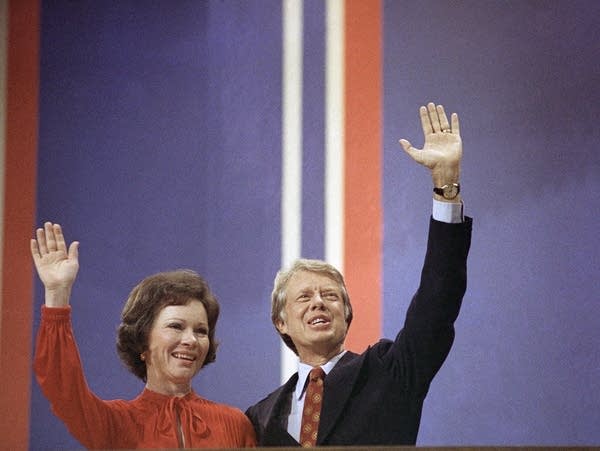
<point>202,331</point>
<point>175,326</point>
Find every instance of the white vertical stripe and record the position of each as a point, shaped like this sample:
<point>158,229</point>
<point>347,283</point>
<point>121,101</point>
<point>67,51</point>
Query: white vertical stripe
<point>3,71</point>
<point>291,195</point>
<point>334,131</point>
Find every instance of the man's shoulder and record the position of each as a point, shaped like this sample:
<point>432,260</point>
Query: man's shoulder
<point>271,397</point>
<point>352,361</point>
<point>269,401</point>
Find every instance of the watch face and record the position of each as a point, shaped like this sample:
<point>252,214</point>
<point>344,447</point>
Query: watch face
<point>450,191</point>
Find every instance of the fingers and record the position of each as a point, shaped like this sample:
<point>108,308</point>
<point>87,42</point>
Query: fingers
<point>35,251</point>
<point>74,250</point>
<point>59,238</point>
<point>441,114</point>
<point>434,119</point>
<point>40,235</point>
<point>455,124</point>
<point>425,121</point>
<point>48,239</point>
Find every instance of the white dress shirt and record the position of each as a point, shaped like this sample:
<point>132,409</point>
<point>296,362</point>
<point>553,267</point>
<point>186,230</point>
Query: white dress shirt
<point>295,418</point>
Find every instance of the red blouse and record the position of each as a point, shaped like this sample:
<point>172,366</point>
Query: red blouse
<point>148,421</point>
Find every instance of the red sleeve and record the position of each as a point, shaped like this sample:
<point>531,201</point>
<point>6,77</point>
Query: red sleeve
<point>59,372</point>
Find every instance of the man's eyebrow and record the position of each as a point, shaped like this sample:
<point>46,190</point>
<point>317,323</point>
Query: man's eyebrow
<point>332,288</point>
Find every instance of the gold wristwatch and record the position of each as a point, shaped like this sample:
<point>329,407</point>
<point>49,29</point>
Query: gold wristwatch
<point>448,191</point>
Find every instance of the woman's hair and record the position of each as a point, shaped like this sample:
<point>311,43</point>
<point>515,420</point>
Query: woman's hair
<point>278,298</point>
<point>145,302</point>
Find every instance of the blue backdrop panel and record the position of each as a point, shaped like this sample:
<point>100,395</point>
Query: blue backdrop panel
<point>160,148</point>
<point>524,77</point>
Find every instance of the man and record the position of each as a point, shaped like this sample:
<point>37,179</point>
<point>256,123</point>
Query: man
<point>374,398</point>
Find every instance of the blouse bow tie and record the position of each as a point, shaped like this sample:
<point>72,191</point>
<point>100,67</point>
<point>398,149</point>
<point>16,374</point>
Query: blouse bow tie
<point>192,424</point>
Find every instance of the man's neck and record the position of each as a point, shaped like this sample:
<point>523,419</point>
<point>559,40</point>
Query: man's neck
<point>315,359</point>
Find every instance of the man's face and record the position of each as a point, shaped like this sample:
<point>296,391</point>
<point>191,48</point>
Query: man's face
<point>314,316</point>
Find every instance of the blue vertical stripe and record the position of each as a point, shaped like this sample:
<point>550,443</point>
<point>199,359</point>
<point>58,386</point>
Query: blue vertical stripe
<point>313,173</point>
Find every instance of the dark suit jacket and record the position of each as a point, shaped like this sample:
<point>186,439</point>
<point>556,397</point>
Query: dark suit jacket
<point>376,398</point>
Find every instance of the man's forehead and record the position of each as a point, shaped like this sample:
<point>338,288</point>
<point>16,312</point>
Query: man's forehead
<point>308,280</point>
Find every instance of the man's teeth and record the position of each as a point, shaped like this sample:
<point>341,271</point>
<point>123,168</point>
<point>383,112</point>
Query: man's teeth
<point>317,321</point>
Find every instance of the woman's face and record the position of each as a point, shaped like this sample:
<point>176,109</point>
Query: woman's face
<point>177,346</point>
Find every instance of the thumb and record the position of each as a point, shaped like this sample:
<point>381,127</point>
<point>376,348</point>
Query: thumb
<point>408,148</point>
<point>74,250</point>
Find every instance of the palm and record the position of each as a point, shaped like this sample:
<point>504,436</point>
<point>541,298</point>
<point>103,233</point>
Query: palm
<point>56,269</point>
<point>440,148</point>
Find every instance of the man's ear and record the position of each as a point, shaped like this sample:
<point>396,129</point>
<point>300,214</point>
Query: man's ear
<point>281,326</point>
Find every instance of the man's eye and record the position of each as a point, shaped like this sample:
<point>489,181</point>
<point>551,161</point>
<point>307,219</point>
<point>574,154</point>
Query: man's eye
<point>331,296</point>
<point>304,298</point>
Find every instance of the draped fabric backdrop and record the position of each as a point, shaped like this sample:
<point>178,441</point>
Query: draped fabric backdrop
<point>232,137</point>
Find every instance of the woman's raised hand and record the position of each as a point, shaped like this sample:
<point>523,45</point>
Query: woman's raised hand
<point>56,265</point>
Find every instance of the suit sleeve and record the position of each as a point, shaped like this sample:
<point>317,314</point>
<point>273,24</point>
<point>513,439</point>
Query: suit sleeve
<point>425,340</point>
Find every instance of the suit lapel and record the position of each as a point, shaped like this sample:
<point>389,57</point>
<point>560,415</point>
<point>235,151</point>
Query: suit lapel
<point>276,433</point>
<point>338,387</point>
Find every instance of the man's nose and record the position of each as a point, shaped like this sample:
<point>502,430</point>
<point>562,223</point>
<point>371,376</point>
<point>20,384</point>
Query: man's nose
<point>317,301</point>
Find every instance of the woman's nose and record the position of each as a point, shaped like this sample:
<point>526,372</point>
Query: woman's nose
<point>188,337</point>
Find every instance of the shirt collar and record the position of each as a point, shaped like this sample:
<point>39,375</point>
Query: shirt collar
<point>304,369</point>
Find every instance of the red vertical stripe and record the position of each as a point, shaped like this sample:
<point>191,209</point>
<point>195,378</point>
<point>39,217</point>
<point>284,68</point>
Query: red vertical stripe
<point>362,179</point>
<point>22,82</point>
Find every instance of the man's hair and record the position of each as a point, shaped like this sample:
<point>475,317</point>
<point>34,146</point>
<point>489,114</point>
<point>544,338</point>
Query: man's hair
<point>145,302</point>
<point>278,296</point>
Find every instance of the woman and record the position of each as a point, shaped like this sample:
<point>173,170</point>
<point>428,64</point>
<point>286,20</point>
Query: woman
<point>165,337</point>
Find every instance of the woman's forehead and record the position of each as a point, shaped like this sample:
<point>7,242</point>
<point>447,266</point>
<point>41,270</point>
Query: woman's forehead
<point>193,309</point>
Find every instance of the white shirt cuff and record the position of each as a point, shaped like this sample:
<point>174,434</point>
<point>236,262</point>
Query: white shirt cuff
<point>451,212</point>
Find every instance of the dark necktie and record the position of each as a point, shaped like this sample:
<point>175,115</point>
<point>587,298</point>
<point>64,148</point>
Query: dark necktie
<point>312,408</point>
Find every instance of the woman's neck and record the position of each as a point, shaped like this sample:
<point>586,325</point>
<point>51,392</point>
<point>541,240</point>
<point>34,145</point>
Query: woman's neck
<point>170,389</point>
